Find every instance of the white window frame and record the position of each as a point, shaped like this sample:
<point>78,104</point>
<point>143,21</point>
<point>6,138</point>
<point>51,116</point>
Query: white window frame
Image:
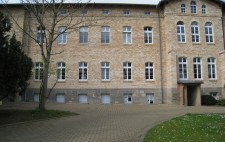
<point>182,68</point>
<point>148,35</point>
<point>149,71</point>
<point>212,73</point>
<point>38,69</point>
<point>40,38</point>
<point>203,9</point>
<point>62,34</point>
<point>126,97</point>
<point>209,33</point>
<point>127,71</point>
<point>147,13</point>
<point>127,35</point>
<point>105,35</point>
<point>61,71</point>
<point>82,33</point>
<point>181,37</point>
<point>197,68</point>
<point>183,8</point>
<point>83,71</point>
<point>105,71</point>
<point>193,7</point>
<point>63,12</point>
<point>195,38</point>
<point>84,12</point>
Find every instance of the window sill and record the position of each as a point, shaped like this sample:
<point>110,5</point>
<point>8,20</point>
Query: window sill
<point>127,44</point>
<point>127,80</point>
<point>213,79</point>
<point>83,81</point>
<point>196,43</point>
<point>147,44</point>
<point>210,43</point>
<point>61,81</point>
<point>35,80</point>
<point>182,42</point>
<point>105,44</point>
<point>149,80</point>
<point>105,80</point>
<point>83,44</point>
<point>62,44</point>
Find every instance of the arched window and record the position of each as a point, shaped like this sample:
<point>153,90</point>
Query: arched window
<point>193,7</point>
<point>203,9</point>
<point>209,32</point>
<point>180,32</point>
<point>194,32</point>
<point>183,8</point>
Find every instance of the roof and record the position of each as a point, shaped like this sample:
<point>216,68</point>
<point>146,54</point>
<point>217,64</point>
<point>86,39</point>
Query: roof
<point>221,2</point>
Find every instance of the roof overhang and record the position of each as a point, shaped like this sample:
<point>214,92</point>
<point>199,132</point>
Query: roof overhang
<point>190,82</point>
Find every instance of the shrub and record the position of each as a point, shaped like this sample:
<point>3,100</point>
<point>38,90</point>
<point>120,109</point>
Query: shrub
<point>208,100</point>
<point>221,102</point>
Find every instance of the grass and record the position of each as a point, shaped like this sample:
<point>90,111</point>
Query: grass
<point>189,128</point>
<point>15,116</point>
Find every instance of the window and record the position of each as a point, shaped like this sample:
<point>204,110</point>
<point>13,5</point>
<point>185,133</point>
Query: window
<point>126,12</point>
<point>105,71</point>
<point>197,68</point>
<point>62,35</point>
<point>83,12</point>
<point>127,35</point>
<point>147,13</point>
<point>61,71</point>
<point>63,12</point>
<point>127,71</point>
<point>183,8</point>
<point>147,34</point>
<point>83,35</point>
<point>127,98</point>
<point>149,71</point>
<point>194,32</point>
<point>105,12</point>
<point>38,71</point>
<point>203,9</point>
<point>212,68</point>
<point>180,32</point>
<point>40,35</point>
<point>209,32</point>
<point>150,98</point>
<point>182,68</point>
<point>193,7</point>
<point>83,71</point>
<point>6,23</point>
<point>105,34</point>
<point>215,95</point>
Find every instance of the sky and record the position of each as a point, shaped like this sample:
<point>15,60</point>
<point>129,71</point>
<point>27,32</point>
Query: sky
<point>109,1</point>
<point>154,2</point>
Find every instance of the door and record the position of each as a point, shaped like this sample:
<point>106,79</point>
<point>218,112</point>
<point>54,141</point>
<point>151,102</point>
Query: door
<point>150,98</point>
<point>105,99</point>
<point>60,98</point>
<point>36,97</point>
<point>83,99</point>
<point>128,99</point>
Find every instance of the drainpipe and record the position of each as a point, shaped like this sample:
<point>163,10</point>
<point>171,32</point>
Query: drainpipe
<point>161,64</point>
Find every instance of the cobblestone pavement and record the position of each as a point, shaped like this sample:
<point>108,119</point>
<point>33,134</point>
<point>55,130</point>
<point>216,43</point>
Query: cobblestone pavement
<point>96,123</point>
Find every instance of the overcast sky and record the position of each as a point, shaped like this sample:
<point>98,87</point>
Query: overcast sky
<point>111,1</point>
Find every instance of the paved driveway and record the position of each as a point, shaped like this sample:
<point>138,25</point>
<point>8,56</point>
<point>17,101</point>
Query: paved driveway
<point>96,123</point>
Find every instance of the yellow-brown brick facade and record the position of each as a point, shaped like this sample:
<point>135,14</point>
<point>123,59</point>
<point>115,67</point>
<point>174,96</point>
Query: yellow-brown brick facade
<point>163,53</point>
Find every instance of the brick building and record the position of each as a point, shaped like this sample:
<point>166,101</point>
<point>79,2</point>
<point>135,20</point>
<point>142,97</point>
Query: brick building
<point>171,52</point>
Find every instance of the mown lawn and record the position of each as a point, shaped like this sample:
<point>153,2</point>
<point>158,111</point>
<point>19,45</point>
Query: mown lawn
<point>15,116</point>
<point>189,128</point>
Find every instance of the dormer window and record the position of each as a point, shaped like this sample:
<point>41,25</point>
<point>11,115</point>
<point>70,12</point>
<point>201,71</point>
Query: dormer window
<point>193,7</point>
<point>203,9</point>
<point>183,8</point>
<point>126,12</point>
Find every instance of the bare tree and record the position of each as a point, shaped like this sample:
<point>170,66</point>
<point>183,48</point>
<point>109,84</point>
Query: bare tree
<point>49,15</point>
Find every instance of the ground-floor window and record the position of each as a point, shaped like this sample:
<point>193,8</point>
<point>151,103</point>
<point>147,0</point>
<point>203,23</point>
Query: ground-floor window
<point>128,98</point>
<point>215,95</point>
<point>60,98</point>
<point>150,98</point>
<point>105,99</point>
<point>82,98</point>
<point>36,97</point>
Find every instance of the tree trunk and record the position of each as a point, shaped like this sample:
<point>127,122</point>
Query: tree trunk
<point>44,86</point>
